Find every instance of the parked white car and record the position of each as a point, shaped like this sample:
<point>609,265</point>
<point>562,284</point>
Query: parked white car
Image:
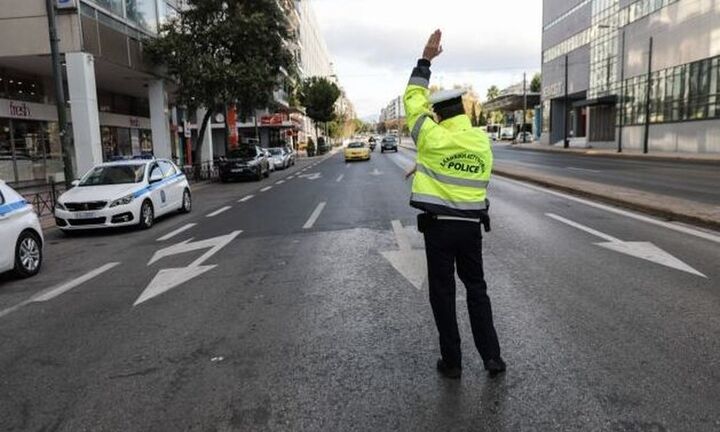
<point>21,237</point>
<point>124,193</point>
<point>279,158</point>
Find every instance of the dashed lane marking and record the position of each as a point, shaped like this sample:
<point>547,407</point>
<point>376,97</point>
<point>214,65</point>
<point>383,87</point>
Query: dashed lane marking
<point>279,182</point>
<point>51,293</point>
<point>246,199</point>
<point>314,216</point>
<point>339,179</point>
<point>219,211</point>
<point>266,188</point>
<point>180,230</point>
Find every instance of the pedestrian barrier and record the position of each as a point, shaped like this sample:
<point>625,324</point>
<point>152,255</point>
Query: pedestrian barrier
<point>42,196</point>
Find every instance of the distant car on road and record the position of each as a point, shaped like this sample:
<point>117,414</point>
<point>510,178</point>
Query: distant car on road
<point>389,143</point>
<point>244,162</point>
<point>279,158</point>
<point>507,133</point>
<point>357,151</point>
<point>291,155</point>
<point>21,236</point>
<point>126,193</point>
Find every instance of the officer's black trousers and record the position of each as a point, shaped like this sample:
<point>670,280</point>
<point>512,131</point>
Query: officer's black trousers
<point>447,243</point>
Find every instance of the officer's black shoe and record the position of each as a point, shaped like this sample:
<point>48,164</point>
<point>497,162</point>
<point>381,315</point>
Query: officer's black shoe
<point>495,367</point>
<point>452,372</point>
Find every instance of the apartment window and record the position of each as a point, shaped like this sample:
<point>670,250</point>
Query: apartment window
<point>143,13</point>
<point>114,6</point>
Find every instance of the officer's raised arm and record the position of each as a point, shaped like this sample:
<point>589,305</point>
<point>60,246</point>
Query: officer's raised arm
<point>417,104</point>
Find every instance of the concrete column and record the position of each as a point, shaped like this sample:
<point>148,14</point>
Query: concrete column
<point>84,111</point>
<point>207,147</point>
<point>159,119</point>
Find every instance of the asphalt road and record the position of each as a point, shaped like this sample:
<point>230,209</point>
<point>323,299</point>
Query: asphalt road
<point>691,181</point>
<point>315,318</point>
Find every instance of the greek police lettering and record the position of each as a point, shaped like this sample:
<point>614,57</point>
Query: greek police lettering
<point>464,162</point>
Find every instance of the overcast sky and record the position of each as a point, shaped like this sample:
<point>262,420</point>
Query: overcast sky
<point>375,43</point>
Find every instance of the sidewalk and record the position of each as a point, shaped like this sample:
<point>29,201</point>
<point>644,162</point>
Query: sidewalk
<point>681,210</point>
<point>706,159</point>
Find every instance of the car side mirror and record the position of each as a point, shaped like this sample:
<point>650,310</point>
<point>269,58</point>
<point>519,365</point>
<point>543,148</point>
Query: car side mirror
<point>75,183</point>
<point>155,177</point>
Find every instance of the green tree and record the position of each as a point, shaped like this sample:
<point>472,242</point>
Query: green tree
<point>536,83</point>
<point>225,51</point>
<point>493,92</point>
<point>318,95</point>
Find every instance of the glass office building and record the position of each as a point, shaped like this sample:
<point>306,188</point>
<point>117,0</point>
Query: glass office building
<point>632,73</point>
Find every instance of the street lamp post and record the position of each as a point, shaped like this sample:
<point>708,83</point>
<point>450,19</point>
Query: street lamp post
<point>65,142</point>
<point>646,137</point>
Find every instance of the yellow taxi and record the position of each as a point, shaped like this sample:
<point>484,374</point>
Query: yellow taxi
<point>357,151</point>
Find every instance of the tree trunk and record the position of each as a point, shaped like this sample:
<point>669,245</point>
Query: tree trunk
<point>201,135</point>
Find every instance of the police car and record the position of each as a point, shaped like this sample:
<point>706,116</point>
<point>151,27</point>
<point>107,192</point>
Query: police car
<point>124,193</point>
<point>21,238</point>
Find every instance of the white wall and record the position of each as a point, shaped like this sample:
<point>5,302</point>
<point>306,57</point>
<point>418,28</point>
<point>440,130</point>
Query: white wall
<point>686,137</point>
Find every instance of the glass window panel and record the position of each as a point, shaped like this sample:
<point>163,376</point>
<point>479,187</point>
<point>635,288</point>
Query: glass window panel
<point>114,6</point>
<point>142,13</point>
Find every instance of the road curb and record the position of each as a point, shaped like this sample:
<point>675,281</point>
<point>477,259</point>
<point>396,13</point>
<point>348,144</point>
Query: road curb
<point>610,195</point>
<point>626,156</point>
<point>613,197</point>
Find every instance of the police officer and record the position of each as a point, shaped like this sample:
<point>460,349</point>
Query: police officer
<point>452,171</point>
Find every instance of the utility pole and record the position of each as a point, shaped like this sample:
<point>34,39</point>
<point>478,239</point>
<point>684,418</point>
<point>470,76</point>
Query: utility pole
<point>646,137</point>
<point>65,142</point>
<point>622,92</point>
<point>566,143</point>
<point>524,106</point>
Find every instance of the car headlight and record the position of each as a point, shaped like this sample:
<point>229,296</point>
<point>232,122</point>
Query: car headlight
<point>60,206</point>
<point>122,201</point>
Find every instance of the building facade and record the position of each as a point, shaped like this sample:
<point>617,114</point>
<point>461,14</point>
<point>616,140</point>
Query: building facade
<point>632,74</point>
<point>117,105</point>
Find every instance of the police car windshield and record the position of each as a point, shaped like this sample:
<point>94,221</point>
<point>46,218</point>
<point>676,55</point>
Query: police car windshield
<point>114,174</point>
<point>356,145</point>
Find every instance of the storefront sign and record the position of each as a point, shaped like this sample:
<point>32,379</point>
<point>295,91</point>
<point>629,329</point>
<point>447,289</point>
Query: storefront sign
<point>272,120</point>
<point>134,122</point>
<point>66,4</point>
<point>19,110</point>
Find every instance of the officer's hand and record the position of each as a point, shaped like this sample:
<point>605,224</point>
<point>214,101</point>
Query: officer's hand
<point>411,172</point>
<point>433,48</point>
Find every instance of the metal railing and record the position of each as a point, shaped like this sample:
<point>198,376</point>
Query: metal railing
<point>42,196</point>
<point>202,172</point>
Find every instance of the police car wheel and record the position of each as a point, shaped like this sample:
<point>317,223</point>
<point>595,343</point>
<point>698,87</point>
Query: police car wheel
<point>28,255</point>
<point>147,215</point>
<point>186,202</point>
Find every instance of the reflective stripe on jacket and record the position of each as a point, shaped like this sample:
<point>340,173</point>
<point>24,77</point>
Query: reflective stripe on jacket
<point>454,160</point>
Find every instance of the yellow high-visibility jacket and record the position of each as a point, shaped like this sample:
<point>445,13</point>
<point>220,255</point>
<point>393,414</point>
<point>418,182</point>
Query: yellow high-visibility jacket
<point>454,160</point>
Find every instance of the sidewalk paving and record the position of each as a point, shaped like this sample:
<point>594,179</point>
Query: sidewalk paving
<point>706,159</point>
<point>676,209</point>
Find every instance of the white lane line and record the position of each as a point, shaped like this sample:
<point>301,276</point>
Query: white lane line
<point>674,227</point>
<point>583,169</point>
<point>314,216</point>
<point>339,179</point>
<point>172,234</point>
<point>279,182</point>
<point>266,188</point>
<point>584,228</point>
<point>51,293</point>
<point>217,212</point>
<point>246,199</point>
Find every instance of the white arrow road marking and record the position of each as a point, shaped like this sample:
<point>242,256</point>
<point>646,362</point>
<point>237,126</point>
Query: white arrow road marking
<point>314,216</point>
<point>313,176</point>
<point>51,293</point>
<point>409,262</point>
<point>246,199</point>
<point>376,172</point>
<point>643,250</point>
<point>167,279</point>
<point>219,211</point>
<point>180,230</point>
